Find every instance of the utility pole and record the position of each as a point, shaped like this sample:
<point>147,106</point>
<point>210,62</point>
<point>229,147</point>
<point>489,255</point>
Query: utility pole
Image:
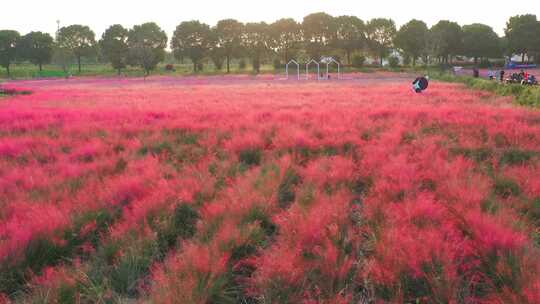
<point>57,28</point>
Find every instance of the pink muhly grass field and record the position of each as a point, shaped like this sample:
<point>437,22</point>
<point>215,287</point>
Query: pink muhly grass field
<point>242,190</point>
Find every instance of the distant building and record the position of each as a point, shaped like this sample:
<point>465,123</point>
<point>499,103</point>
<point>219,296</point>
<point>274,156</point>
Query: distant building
<point>376,61</point>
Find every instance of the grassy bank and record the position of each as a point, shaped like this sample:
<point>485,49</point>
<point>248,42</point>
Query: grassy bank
<point>523,95</point>
<point>29,71</point>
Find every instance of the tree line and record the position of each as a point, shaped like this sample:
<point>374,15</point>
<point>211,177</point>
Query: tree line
<point>319,34</point>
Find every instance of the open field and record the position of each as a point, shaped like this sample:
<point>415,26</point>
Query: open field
<point>248,189</point>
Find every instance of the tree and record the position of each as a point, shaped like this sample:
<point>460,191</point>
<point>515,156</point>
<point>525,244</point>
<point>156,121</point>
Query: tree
<point>286,35</point>
<point>536,46</point>
<point>36,47</point>
<point>216,52</point>
<point>319,30</point>
<point>114,45</point>
<point>523,34</point>
<point>350,34</point>
<point>255,41</point>
<point>192,39</point>
<point>146,43</point>
<point>8,48</point>
<point>480,41</point>
<point>412,38</point>
<point>380,35</point>
<point>78,39</point>
<point>229,35</point>
<point>446,39</point>
<point>63,57</point>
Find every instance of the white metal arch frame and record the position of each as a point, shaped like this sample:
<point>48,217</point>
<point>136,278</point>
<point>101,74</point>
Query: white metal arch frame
<point>318,69</point>
<point>329,61</point>
<point>297,68</point>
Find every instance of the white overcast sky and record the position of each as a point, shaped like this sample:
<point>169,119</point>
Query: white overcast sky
<point>34,15</point>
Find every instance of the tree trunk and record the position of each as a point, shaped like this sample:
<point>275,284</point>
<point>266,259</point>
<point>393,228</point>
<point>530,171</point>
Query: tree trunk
<point>79,62</point>
<point>228,64</point>
<point>414,61</point>
<point>194,66</point>
<point>381,60</point>
<point>349,57</point>
<point>257,65</point>
<point>7,69</point>
<point>475,60</point>
<point>286,55</point>
<point>40,67</point>
<point>119,71</point>
<point>523,57</point>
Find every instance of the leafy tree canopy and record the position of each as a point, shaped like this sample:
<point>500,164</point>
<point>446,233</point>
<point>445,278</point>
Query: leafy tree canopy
<point>147,43</point>
<point>192,39</point>
<point>114,45</point>
<point>412,38</point>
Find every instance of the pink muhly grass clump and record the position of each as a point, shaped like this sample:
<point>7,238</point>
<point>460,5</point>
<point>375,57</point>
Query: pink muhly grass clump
<point>187,276</point>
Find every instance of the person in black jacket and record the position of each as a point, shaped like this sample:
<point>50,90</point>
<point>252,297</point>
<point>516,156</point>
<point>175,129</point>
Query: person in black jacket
<point>420,84</point>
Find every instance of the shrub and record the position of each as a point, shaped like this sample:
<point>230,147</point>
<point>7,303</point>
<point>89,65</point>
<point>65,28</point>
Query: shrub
<point>218,62</point>
<point>169,68</point>
<point>393,62</point>
<point>407,60</point>
<point>358,61</point>
<point>242,64</point>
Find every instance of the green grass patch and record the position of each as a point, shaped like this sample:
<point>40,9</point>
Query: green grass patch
<point>250,157</point>
<point>286,189</point>
<point>256,214</point>
<point>505,188</point>
<point>532,210</point>
<point>476,154</point>
<point>181,225</point>
<point>516,157</point>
